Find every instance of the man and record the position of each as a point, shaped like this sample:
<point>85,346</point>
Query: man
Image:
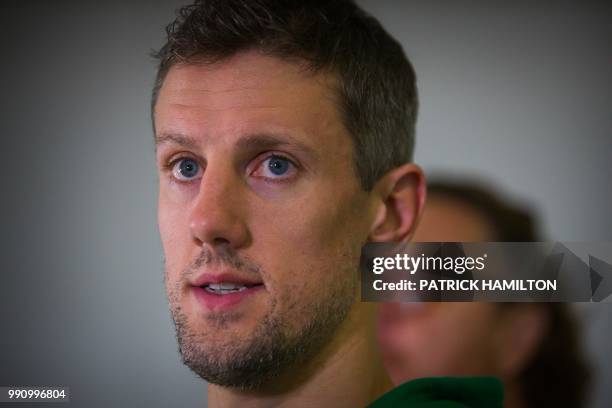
<point>284,133</point>
<point>533,347</point>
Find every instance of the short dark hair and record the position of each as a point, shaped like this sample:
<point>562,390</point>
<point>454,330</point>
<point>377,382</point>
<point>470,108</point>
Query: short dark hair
<point>376,84</point>
<point>558,373</point>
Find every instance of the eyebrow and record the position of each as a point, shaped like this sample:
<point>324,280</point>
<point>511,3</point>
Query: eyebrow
<point>265,141</point>
<point>258,141</point>
<point>176,138</point>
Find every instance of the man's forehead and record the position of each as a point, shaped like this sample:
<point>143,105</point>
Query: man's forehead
<point>249,94</point>
<point>246,73</point>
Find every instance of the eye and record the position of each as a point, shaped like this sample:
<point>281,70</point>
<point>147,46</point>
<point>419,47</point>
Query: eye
<point>275,167</point>
<point>185,169</point>
<point>278,165</point>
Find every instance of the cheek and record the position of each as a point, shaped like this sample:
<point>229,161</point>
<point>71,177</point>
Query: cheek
<point>174,232</point>
<point>312,235</point>
<point>308,249</point>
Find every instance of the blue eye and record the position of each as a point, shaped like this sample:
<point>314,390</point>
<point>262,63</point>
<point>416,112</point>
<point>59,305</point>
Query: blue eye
<point>278,165</point>
<point>275,168</point>
<point>186,169</point>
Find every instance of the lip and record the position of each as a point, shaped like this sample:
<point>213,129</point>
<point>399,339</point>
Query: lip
<point>217,302</point>
<point>214,302</point>
<point>207,278</point>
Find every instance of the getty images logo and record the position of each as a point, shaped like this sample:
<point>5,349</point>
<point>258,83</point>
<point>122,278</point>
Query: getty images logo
<point>412,264</point>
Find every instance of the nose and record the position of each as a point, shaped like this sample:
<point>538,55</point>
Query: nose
<point>217,215</point>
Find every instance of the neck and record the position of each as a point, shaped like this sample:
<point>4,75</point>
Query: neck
<point>348,371</point>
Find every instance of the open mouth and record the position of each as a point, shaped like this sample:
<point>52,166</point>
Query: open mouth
<point>225,288</point>
<point>221,291</point>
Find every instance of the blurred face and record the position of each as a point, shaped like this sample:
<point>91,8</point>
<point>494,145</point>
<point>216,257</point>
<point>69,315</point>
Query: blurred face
<point>260,215</point>
<point>433,339</point>
<point>447,219</point>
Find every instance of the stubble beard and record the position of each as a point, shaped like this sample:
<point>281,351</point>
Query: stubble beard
<point>272,348</point>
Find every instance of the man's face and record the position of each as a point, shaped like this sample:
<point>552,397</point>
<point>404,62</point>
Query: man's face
<point>433,339</point>
<point>261,214</point>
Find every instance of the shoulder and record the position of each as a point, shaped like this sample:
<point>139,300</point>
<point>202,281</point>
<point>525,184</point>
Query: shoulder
<point>445,392</point>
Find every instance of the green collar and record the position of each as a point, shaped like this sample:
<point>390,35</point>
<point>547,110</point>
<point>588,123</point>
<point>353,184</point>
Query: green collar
<point>445,392</point>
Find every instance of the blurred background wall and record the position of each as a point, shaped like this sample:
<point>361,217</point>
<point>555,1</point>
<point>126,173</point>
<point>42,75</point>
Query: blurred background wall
<point>513,93</point>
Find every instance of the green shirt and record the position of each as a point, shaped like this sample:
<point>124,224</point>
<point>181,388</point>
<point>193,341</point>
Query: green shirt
<point>445,392</point>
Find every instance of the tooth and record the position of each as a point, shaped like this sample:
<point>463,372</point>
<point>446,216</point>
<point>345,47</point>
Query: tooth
<point>229,286</point>
<point>225,286</point>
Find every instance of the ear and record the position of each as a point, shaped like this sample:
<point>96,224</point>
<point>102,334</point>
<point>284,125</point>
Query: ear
<point>524,327</point>
<point>401,194</point>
